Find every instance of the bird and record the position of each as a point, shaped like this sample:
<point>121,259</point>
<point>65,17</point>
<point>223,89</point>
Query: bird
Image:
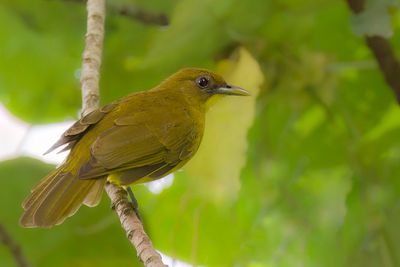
<point>141,137</point>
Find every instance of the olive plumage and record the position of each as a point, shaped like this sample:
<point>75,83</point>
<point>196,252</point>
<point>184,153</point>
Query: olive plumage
<point>141,137</point>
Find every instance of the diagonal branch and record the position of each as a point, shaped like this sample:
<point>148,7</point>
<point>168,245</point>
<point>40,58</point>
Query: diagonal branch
<point>133,226</point>
<point>90,100</point>
<point>383,53</point>
<point>14,248</point>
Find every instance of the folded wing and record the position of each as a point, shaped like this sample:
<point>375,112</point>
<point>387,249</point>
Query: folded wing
<point>137,146</point>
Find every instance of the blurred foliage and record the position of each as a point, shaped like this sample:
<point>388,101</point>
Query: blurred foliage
<point>375,19</point>
<point>93,239</point>
<point>319,185</point>
<point>228,121</point>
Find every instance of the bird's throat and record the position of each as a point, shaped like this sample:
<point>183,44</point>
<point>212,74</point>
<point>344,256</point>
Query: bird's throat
<point>212,100</point>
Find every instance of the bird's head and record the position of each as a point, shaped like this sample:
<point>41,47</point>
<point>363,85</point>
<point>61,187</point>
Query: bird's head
<point>202,84</point>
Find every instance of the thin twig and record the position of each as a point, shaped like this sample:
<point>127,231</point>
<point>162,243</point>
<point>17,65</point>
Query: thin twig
<point>91,59</point>
<point>135,12</point>
<point>383,53</point>
<point>14,248</point>
<point>139,14</point>
<point>90,101</point>
<point>133,226</point>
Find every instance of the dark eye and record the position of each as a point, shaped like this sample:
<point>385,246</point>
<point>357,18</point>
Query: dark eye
<point>202,82</point>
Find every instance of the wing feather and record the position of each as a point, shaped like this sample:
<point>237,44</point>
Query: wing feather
<point>79,128</point>
<point>139,147</point>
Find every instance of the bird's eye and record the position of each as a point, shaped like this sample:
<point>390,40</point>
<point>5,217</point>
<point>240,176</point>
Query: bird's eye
<point>202,82</point>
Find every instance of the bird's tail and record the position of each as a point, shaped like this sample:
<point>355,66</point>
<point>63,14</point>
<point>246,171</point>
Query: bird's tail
<point>58,196</point>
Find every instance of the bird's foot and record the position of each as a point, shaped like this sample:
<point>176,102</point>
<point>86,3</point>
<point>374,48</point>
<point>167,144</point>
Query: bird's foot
<point>134,202</point>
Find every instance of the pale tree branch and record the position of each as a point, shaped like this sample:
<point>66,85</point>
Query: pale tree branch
<point>14,248</point>
<point>91,58</point>
<point>90,101</point>
<point>133,226</point>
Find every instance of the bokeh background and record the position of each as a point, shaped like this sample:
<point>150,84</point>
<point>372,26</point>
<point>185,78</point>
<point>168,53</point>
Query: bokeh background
<point>303,173</point>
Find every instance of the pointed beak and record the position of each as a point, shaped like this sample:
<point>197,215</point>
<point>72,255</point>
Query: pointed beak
<point>231,90</point>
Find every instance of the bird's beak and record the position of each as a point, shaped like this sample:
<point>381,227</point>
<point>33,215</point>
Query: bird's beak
<point>231,90</point>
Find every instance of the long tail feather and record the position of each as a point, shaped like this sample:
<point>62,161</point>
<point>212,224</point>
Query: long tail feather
<point>94,196</point>
<point>57,197</point>
<point>39,189</point>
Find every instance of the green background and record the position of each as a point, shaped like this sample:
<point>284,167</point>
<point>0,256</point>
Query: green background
<point>319,185</point>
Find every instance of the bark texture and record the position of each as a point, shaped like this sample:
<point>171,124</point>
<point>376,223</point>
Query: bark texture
<point>90,100</point>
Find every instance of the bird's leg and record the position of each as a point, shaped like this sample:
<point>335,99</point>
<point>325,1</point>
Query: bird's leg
<point>134,202</point>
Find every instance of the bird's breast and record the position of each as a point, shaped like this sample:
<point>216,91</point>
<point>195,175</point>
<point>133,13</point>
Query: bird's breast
<point>181,132</point>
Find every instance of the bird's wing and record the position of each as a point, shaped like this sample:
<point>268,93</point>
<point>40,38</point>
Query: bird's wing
<point>71,136</point>
<point>140,144</point>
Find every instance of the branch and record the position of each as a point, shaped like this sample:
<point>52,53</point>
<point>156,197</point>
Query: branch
<point>135,12</point>
<point>133,226</point>
<point>14,248</point>
<point>141,15</point>
<point>91,58</point>
<point>383,52</point>
<point>90,101</point>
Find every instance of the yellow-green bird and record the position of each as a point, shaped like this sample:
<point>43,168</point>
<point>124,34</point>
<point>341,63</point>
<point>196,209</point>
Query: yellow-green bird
<point>141,137</point>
